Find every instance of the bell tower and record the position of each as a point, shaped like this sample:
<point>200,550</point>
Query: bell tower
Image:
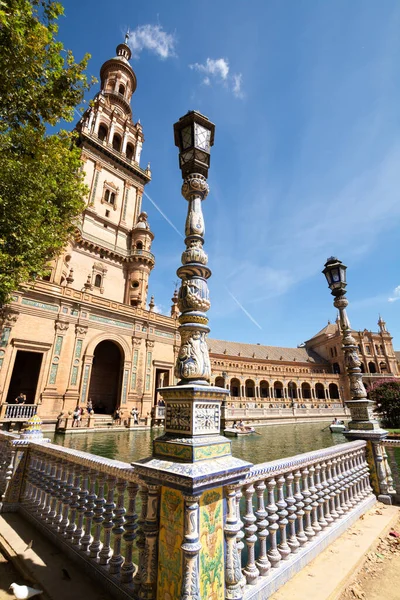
<point>110,255</point>
<point>140,264</point>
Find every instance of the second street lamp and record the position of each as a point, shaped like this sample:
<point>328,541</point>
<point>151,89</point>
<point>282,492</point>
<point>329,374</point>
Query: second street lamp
<point>362,418</point>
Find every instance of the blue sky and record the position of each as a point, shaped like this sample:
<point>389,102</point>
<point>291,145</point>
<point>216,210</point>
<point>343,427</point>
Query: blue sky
<point>306,161</point>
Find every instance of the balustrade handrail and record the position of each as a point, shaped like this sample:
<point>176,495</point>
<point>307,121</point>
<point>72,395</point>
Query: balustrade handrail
<point>277,467</point>
<point>120,469</point>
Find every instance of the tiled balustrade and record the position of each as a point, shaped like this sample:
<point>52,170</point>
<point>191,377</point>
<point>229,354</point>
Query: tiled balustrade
<point>277,518</point>
<point>286,511</point>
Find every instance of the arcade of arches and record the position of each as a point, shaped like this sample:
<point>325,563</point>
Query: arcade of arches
<point>280,391</point>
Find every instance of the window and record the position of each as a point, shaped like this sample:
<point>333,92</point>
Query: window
<point>139,245</point>
<point>116,143</point>
<point>129,151</point>
<point>109,197</point>
<point>103,132</point>
<point>107,213</point>
<point>97,281</point>
<point>368,349</point>
<point>121,89</point>
<point>135,284</point>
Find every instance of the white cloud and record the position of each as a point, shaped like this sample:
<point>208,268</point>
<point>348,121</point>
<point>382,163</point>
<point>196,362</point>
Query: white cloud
<point>396,294</point>
<point>159,309</point>
<point>237,85</point>
<point>152,38</point>
<point>217,70</point>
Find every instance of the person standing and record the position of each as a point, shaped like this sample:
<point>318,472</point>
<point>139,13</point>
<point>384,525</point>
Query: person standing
<point>21,399</point>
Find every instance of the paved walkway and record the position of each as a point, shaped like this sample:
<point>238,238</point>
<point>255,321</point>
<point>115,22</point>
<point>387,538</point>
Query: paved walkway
<point>42,566</point>
<point>328,575</point>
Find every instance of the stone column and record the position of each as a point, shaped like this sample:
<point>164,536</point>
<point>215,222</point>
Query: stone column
<point>192,459</point>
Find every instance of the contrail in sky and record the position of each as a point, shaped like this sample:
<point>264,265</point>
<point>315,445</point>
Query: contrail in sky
<point>162,214</point>
<point>243,309</point>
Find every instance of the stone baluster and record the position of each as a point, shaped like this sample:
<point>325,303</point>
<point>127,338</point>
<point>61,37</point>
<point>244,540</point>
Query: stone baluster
<point>40,476</point>
<point>233,573</point>
<point>283,547</point>
<point>9,473</point>
<point>89,511</point>
<point>345,483</point>
<point>298,496</point>
<point>128,568</point>
<point>83,493</point>
<point>380,471</point>
<point>273,553</point>
<point>28,491</point>
<point>118,529</point>
<point>191,547</point>
<point>341,484</point>
<point>363,471</point>
<point>67,495</point>
<point>262,563</point>
<point>141,540</point>
<point>50,476</point>
<point>352,480</point>
<point>250,529</point>
<point>94,547</point>
<point>293,542</point>
<point>326,494</point>
<point>387,469</point>
<point>73,503</point>
<point>61,489</point>
<point>321,497</point>
<point>37,483</point>
<point>336,487</point>
<point>355,491</point>
<point>314,500</point>
<point>150,530</point>
<point>54,491</point>
<point>107,525</point>
<point>308,530</point>
<point>331,490</point>
<point>240,533</point>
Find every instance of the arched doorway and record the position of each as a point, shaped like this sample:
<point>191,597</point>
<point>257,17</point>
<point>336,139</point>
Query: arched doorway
<point>105,380</point>
<point>372,367</point>
<point>220,382</point>
<point>319,391</point>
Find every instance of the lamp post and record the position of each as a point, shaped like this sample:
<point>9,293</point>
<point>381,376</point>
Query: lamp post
<point>363,424</point>
<point>362,418</point>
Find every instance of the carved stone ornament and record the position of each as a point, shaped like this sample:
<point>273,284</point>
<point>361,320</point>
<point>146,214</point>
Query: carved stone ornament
<point>61,326</point>
<point>193,360</point>
<point>195,185</point>
<point>149,344</point>
<point>352,359</point>
<point>9,316</point>
<point>136,341</point>
<point>81,329</point>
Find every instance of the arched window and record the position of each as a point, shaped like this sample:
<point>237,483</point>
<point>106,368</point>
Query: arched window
<point>278,389</point>
<point>362,367</point>
<point>319,391</point>
<point>235,388</point>
<point>97,281</point>
<point>129,151</point>
<point>333,391</point>
<point>249,386</point>
<point>220,382</point>
<point>264,389</point>
<point>103,132</point>
<point>116,143</point>
<point>383,367</point>
<point>139,245</point>
<point>121,89</point>
<point>292,390</point>
<point>306,390</point>
<point>372,367</point>
<point>336,368</point>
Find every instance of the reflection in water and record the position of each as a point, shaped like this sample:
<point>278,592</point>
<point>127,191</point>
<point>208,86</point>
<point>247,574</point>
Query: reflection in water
<point>271,442</point>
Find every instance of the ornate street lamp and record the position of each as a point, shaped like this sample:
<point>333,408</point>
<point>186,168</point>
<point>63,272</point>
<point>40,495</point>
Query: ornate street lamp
<point>362,418</point>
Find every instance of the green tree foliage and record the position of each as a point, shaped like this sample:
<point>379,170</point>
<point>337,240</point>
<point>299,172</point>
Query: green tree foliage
<point>41,183</point>
<point>386,394</point>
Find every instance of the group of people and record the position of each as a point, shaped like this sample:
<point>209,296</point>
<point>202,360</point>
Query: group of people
<point>80,411</point>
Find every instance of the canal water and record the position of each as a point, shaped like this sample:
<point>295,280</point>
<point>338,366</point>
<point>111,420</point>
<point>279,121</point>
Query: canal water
<point>270,443</point>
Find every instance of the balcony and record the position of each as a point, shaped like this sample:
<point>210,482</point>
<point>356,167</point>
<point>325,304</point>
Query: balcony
<point>17,412</point>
